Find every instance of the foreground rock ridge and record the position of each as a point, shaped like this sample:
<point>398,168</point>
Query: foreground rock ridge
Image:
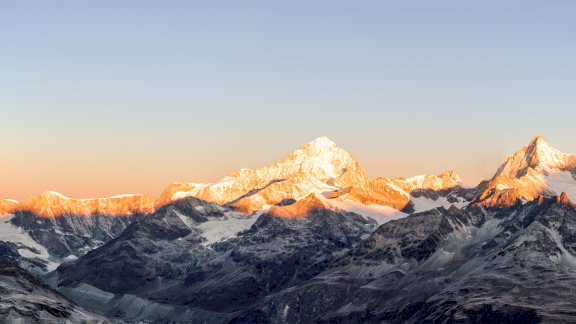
<point>309,239</point>
<point>26,298</point>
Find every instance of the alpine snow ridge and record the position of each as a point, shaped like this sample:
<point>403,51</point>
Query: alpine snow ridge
<point>51,204</point>
<point>7,206</point>
<point>318,167</point>
<point>322,167</point>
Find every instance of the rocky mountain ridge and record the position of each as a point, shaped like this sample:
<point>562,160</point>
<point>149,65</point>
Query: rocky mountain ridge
<point>169,258</point>
<point>474,265</point>
<point>51,204</point>
<point>399,193</point>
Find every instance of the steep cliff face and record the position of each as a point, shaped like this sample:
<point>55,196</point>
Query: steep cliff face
<point>284,247</point>
<point>155,252</point>
<point>157,248</point>
<point>44,231</point>
<point>535,170</point>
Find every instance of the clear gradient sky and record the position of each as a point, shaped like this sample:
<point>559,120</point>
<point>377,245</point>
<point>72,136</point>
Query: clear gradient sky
<point>99,98</point>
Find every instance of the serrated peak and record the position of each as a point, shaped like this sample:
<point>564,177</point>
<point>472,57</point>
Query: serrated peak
<point>563,199</point>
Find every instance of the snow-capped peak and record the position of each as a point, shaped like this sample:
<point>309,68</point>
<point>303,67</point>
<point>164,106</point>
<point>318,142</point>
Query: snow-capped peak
<point>315,167</point>
<point>536,154</point>
<point>544,153</point>
<point>322,141</point>
<point>533,171</point>
<point>54,193</point>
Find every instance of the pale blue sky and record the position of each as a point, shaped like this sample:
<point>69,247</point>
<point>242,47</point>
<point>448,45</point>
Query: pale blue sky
<point>100,98</point>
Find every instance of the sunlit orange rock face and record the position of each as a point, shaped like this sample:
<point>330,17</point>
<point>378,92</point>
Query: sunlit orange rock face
<point>7,206</point>
<point>298,186</point>
<point>395,192</point>
<point>50,205</point>
<point>299,209</point>
<point>535,170</point>
<point>173,192</point>
<point>377,192</point>
<point>318,166</point>
<point>564,200</point>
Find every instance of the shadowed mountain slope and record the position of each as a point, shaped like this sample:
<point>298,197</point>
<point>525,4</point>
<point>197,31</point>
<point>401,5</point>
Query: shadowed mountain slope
<point>276,253</point>
<point>25,298</point>
<point>505,265</point>
<point>166,257</point>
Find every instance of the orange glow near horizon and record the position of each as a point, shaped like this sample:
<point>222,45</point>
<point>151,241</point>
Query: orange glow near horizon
<point>93,104</point>
<point>98,177</point>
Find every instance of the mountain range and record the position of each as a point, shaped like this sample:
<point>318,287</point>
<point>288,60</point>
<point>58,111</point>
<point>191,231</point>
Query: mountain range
<point>319,167</point>
<point>312,239</point>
